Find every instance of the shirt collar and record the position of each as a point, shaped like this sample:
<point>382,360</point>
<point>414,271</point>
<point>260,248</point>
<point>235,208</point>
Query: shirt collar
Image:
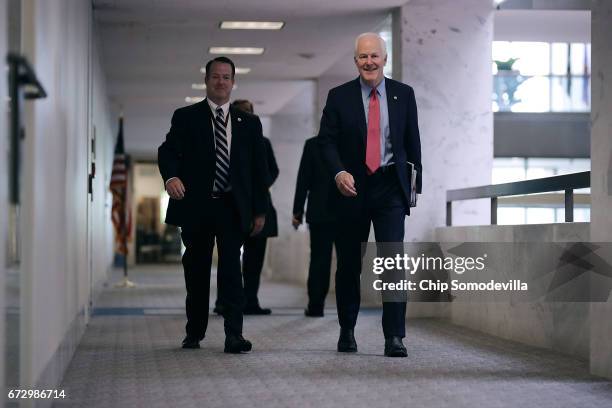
<point>214,106</point>
<point>366,89</point>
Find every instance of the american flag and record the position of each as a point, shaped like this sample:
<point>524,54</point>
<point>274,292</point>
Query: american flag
<point>121,214</point>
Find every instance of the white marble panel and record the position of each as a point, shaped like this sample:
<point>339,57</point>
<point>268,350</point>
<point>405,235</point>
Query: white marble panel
<point>601,172</point>
<point>561,326</point>
<point>446,58</point>
<point>288,254</point>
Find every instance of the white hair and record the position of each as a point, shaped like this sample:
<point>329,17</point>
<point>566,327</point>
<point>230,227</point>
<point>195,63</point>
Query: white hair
<point>382,42</point>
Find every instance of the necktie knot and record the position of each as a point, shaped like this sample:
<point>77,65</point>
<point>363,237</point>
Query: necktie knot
<point>220,112</point>
<point>373,94</point>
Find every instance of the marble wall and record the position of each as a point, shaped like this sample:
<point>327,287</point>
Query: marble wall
<point>288,254</point>
<point>446,58</point>
<point>601,173</point>
<point>561,326</point>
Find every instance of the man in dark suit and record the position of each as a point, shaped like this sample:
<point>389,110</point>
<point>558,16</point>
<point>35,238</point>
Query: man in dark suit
<point>254,249</point>
<point>211,163</point>
<point>368,133</point>
<point>314,183</point>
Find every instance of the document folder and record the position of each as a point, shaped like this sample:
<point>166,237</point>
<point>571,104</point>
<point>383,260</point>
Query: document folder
<point>412,172</point>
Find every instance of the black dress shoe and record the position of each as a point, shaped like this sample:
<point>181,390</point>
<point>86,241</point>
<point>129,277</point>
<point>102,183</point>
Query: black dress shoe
<point>191,342</point>
<point>236,344</point>
<point>394,347</point>
<point>256,310</point>
<point>346,342</point>
<point>218,310</point>
<point>313,312</point>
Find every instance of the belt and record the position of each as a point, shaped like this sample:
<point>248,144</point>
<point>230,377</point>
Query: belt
<point>220,194</point>
<point>384,169</point>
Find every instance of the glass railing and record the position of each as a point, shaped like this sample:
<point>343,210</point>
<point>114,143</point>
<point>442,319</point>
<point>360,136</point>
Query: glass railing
<point>513,92</point>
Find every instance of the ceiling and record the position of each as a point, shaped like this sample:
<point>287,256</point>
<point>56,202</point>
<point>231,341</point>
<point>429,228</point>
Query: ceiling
<point>152,51</point>
<point>543,25</point>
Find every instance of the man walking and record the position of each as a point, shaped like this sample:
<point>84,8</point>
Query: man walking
<point>368,134</point>
<point>313,183</point>
<point>211,163</point>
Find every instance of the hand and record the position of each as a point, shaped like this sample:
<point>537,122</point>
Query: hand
<point>296,220</point>
<point>258,224</point>
<point>346,184</point>
<point>175,188</point>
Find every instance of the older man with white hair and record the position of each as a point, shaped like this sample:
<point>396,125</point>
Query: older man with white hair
<point>369,138</point>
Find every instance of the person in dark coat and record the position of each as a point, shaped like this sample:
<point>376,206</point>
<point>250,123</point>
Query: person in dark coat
<point>212,168</point>
<point>254,249</point>
<point>313,184</point>
<point>369,139</point>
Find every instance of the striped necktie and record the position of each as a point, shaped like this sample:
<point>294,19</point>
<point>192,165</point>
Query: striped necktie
<point>222,170</point>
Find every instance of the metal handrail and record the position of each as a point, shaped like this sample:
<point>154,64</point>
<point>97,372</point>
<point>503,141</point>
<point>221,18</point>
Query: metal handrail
<point>567,182</point>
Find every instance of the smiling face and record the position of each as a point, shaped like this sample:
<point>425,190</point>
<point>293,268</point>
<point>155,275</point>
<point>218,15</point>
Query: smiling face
<point>219,82</point>
<point>370,59</point>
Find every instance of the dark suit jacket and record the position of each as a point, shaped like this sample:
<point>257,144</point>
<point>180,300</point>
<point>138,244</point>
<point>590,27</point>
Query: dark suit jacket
<point>343,134</point>
<point>270,228</point>
<point>189,153</point>
<point>314,182</point>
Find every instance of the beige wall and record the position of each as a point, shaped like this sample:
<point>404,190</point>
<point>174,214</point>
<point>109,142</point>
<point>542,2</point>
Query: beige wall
<point>61,225</point>
<point>3,185</point>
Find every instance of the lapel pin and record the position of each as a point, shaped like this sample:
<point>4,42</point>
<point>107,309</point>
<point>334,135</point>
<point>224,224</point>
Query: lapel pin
<point>395,97</point>
<point>239,119</point>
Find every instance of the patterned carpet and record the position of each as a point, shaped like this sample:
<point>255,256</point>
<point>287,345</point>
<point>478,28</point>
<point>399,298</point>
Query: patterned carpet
<point>130,357</point>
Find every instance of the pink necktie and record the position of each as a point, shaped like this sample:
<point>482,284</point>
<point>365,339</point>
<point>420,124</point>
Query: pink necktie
<point>373,142</point>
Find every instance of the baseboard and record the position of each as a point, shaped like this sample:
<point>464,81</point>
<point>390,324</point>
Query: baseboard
<point>53,374</point>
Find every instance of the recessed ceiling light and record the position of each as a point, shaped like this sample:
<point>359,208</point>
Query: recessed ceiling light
<point>194,99</point>
<point>242,70</point>
<point>236,50</point>
<point>201,87</point>
<point>251,25</point>
<point>239,70</point>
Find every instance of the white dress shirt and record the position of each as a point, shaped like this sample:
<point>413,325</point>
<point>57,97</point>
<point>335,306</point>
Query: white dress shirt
<point>228,128</point>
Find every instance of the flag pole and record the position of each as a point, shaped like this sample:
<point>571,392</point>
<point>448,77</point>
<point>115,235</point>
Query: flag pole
<point>125,282</point>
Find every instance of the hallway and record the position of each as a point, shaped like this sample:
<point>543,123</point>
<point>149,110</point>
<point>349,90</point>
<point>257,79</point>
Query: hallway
<point>130,357</point>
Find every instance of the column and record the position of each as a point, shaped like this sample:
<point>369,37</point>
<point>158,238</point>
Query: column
<point>601,173</point>
<point>446,58</point>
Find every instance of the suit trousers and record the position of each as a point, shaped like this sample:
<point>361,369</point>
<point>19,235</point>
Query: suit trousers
<point>322,236</point>
<point>222,224</point>
<point>384,206</point>
<point>252,264</point>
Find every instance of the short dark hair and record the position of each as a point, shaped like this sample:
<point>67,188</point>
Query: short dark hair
<point>241,102</point>
<point>223,60</point>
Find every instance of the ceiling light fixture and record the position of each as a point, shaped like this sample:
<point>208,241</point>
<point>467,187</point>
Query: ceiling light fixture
<point>202,87</point>
<point>251,25</point>
<point>236,50</point>
<point>239,70</point>
<point>194,99</point>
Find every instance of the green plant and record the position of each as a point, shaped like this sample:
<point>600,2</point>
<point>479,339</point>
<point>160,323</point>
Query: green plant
<point>505,65</point>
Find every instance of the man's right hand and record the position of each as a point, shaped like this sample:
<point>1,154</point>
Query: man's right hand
<point>346,184</point>
<point>175,188</point>
<point>296,221</point>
